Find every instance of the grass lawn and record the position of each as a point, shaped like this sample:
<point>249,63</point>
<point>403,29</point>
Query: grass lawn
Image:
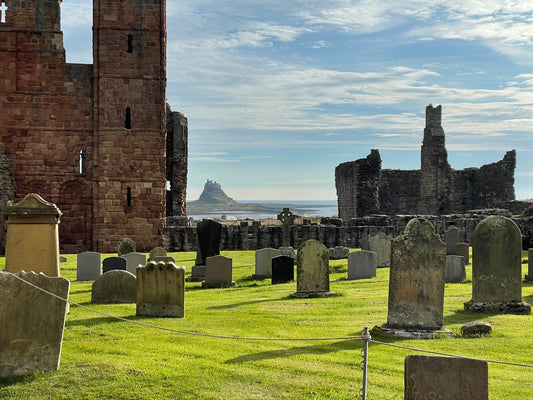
<point>103,358</point>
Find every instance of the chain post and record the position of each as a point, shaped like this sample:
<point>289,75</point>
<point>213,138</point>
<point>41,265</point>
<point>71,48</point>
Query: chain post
<point>365,337</point>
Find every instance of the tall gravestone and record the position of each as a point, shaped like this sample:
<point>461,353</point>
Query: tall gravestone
<point>263,263</point>
<point>161,290</point>
<point>208,233</point>
<point>416,283</point>
<point>133,260</point>
<point>497,268</point>
<point>312,270</point>
<point>89,266</point>
<point>287,219</point>
<point>282,269</point>
<point>361,265</point>
<point>32,241</point>
<point>380,243</point>
<point>31,323</point>
<point>218,272</point>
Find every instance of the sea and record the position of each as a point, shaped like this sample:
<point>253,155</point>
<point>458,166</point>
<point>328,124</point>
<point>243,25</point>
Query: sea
<point>306,208</point>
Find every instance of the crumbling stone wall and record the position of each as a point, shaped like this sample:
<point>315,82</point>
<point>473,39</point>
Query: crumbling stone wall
<point>177,156</point>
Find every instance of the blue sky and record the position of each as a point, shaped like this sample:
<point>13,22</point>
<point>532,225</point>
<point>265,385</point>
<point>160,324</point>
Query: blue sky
<point>278,93</point>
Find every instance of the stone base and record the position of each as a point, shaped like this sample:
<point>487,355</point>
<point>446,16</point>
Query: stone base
<point>197,274</point>
<point>212,285</point>
<point>412,333</point>
<point>307,295</point>
<point>498,307</point>
<point>260,277</point>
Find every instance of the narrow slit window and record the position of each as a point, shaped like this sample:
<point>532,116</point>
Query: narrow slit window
<point>130,43</point>
<point>83,155</point>
<point>127,120</point>
<point>128,197</point>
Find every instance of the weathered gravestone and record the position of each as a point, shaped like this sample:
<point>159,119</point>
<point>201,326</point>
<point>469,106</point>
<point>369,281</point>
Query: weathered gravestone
<point>361,265</point>
<point>218,272</point>
<point>463,249</point>
<point>165,259</point>
<point>287,219</point>
<point>161,290</point>
<point>208,234</point>
<point>133,260</point>
<point>451,237</point>
<point>445,378</point>
<point>282,269</point>
<point>416,283</point>
<point>312,270</point>
<point>263,262</point>
<point>455,269</point>
<point>125,246</point>
<point>497,268</point>
<point>157,252</point>
<point>31,323</point>
<point>287,251</point>
<point>380,243</point>
<point>529,276</point>
<point>89,266</point>
<point>338,252</point>
<point>32,241</point>
<point>116,286</point>
<point>112,263</point>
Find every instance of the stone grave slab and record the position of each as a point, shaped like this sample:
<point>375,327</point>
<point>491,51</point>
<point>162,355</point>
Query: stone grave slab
<point>112,263</point>
<point>282,269</point>
<point>89,266</point>
<point>362,265</point>
<point>263,263</point>
<point>115,287</point>
<point>312,270</point>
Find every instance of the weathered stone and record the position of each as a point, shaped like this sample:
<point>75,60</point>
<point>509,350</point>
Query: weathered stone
<point>288,251</point>
<point>31,323</point>
<point>157,252</point>
<point>476,328</point>
<point>455,269</point>
<point>282,269</point>
<point>312,270</point>
<point>361,265</point>
<point>263,262</point>
<point>445,378</point>
<point>380,243</point>
<point>218,272</point>
<point>338,252</point>
<point>161,290</point>
<point>115,286</point>
<point>451,237</point>
<point>89,266</point>
<point>463,249</point>
<point>133,260</point>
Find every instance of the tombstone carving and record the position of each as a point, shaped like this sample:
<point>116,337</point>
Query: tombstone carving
<point>451,237</point>
<point>312,270</point>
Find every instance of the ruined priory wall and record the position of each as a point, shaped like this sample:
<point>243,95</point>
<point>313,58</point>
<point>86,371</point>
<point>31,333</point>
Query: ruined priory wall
<point>399,190</point>
<point>177,156</point>
<point>346,183</point>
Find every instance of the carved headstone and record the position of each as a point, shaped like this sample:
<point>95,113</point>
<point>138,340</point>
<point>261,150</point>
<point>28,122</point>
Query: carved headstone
<point>455,269</point>
<point>161,290</point>
<point>112,263</point>
<point>89,266</point>
<point>133,260</point>
<point>31,323</point>
<point>218,272</point>
<point>380,243</point>
<point>208,234</point>
<point>312,270</point>
<point>361,265</point>
<point>263,262</point>
<point>282,269</point>
<point>116,286</point>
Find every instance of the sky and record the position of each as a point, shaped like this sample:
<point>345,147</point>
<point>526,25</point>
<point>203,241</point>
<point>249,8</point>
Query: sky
<point>277,93</point>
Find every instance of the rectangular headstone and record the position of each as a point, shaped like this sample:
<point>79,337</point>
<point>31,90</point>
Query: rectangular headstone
<point>380,243</point>
<point>263,262</point>
<point>362,265</point>
<point>282,269</point>
<point>445,378</point>
<point>112,263</point>
<point>463,249</point>
<point>218,272</point>
<point>89,266</point>
<point>455,269</point>
<point>31,323</point>
<point>451,237</point>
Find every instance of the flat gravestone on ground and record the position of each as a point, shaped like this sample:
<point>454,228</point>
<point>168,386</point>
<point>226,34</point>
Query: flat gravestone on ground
<point>455,269</point>
<point>497,268</point>
<point>112,263</point>
<point>380,243</point>
<point>31,323</point>
<point>218,272</point>
<point>463,249</point>
<point>263,263</point>
<point>282,269</point>
<point>89,266</point>
<point>208,233</point>
<point>445,378</point>
<point>451,237</point>
<point>362,265</point>
<point>416,283</point>
<point>161,290</point>
<point>529,276</point>
<point>133,260</point>
<point>312,270</point>
<point>115,287</point>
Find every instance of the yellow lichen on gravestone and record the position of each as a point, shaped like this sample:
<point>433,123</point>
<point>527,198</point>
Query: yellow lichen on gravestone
<point>32,242</point>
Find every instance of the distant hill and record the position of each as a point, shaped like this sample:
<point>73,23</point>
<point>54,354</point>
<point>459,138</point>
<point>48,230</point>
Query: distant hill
<point>213,195</point>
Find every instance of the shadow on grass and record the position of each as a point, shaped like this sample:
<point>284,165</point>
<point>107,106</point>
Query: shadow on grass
<point>245,303</point>
<point>322,348</point>
<point>88,322</point>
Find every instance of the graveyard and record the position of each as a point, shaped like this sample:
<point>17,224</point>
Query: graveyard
<point>103,357</point>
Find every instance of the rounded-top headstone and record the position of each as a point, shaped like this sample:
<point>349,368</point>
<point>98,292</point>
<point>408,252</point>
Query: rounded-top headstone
<point>312,276</point>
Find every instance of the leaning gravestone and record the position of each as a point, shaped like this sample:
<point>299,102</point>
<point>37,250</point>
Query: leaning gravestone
<point>115,287</point>
<point>218,272</point>
<point>282,269</point>
<point>455,269</point>
<point>112,263</point>
<point>497,268</point>
<point>161,290</point>
<point>125,246</point>
<point>263,263</point>
<point>380,243</point>
<point>89,266</point>
<point>208,233</point>
<point>312,270</point>
<point>416,283</point>
<point>133,260</point>
<point>529,276</point>
<point>361,265</point>
<point>31,323</point>
<point>445,378</point>
<point>451,237</point>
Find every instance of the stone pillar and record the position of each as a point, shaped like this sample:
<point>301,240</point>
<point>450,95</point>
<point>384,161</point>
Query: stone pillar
<point>32,242</point>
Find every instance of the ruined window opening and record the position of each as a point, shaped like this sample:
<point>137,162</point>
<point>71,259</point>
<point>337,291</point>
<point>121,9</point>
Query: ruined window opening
<point>83,155</point>
<point>127,121</point>
<point>128,196</point>
<point>130,43</point>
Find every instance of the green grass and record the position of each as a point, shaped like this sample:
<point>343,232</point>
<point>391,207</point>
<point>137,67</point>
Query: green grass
<point>103,358</point>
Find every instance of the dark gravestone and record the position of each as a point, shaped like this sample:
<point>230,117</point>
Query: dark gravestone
<point>208,234</point>
<point>282,269</point>
<point>112,263</point>
<point>463,249</point>
<point>445,378</point>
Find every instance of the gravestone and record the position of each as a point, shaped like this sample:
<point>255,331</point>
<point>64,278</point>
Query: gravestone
<point>32,241</point>
<point>89,265</point>
<point>125,246</point>
<point>445,378</point>
<point>161,290</point>
<point>529,276</point>
<point>451,237</point>
<point>112,263</point>
<point>497,268</point>
<point>416,283</point>
<point>263,263</point>
<point>338,252</point>
<point>312,270</point>
<point>288,251</point>
<point>218,272</point>
<point>287,219</point>
<point>361,265</point>
<point>208,234</point>
<point>463,249</point>
<point>164,259</point>
<point>116,286</point>
<point>282,269</point>
<point>133,260</point>
<point>31,323</point>
<point>157,252</point>
<point>380,243</point>
<point>455,269</point>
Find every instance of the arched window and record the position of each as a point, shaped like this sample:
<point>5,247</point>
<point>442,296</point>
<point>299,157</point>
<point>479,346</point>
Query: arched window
<point>130,43</point>
<point>127,120</point>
